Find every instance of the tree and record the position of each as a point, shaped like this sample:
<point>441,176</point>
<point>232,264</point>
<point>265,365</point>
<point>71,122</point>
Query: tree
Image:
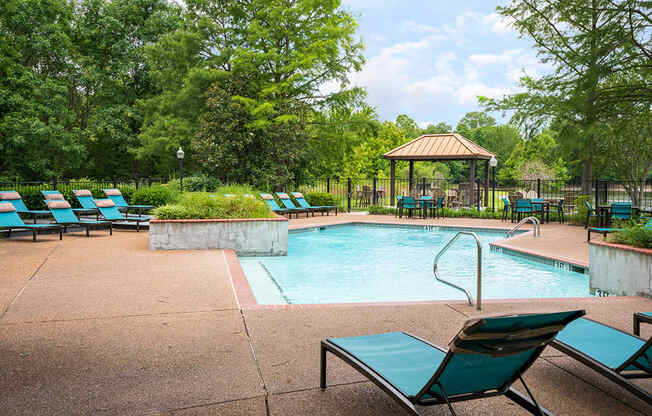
<point>587,43</point>
<point>537,156</point>
<point>473,120</point>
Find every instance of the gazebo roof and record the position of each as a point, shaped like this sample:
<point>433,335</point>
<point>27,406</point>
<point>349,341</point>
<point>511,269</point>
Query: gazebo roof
<point>448,146</point>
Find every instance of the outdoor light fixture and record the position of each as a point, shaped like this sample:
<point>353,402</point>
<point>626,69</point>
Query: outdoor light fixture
<point>493,162</point>
<point>180,155</point>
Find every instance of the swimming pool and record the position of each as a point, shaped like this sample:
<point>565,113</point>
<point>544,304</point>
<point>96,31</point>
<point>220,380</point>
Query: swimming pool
<point>374,263</point>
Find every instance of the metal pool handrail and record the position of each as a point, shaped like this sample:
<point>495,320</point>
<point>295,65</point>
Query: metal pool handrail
<point>533,220</point>
<point>443,250</point>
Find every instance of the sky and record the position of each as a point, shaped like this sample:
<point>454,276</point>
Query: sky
<point>431,59</point>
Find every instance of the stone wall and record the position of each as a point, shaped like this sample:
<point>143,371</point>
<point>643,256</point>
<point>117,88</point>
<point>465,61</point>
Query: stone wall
<point>248,237</point>
<point>620,270</point>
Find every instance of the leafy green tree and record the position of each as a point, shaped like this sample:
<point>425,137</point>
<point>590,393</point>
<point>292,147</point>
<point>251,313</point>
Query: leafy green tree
<point>473,120</point>
<point>537,156</point>
<point>438,128</point>
<point>587,43</point>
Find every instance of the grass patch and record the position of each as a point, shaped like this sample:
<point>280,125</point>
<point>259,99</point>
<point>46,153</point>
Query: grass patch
<point>203,205</point>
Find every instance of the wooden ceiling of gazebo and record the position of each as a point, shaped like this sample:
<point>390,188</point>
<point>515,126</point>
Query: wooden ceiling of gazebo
<point>449,146</point>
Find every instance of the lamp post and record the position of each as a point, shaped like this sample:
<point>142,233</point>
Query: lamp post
<point>180,155</point>
<point>493,162</point>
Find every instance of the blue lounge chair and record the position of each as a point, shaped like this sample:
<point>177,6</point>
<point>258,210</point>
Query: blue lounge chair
<point>110,212</point>
<point>485,358</point>
<point>58,196</point>
<point>288,204</point>
<point>269,200</point>
<point>65,216</point>
<point>16,200</point>
<point>321,208</point>
<point>615,354</point>
<point>605,231</point>
<point>11,221</point>
<point>85,199</point>
<point>115,195</point>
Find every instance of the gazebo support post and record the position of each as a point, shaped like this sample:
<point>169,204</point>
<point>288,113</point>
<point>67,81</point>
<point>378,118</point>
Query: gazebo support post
<point>392,182</point>
<point>472,195</point>
<point>411,175</point>
<point>486,183</point>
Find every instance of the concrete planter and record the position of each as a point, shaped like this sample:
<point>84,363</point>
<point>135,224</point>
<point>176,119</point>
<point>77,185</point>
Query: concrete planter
<point>617,269</point>
<point>248,237</point>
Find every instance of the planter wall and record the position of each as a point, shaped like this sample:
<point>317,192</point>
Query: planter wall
<point>248,237</point>
<point>620,270</point>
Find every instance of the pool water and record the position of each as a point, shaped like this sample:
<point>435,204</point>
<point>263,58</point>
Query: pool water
<point>373,263</point>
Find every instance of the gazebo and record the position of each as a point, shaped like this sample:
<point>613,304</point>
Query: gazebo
<point>439,147</point>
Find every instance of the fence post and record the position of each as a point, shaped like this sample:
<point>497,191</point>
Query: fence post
<point>477,201</point>
<point>115,182</point>
<point>328,185</point>
<point>538,187</point>
<point>136,180</point>
<point>54,182</point>
<point>597,193</point>
<point>373,197</point>
<point>348,194</point>
<point>423,186</point>
<point>150,181</point>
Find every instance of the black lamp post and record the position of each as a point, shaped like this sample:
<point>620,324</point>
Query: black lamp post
<point>180,155</point>
<point>493,162</point>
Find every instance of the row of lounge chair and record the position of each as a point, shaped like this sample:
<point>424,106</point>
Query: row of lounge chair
<point>290,208</point>
<point>488,355</point>
<point>11,205</point>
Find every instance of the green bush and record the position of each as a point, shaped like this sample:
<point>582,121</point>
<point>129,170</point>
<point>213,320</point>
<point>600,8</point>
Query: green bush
<point>201,205</point>
<point>580,206</point>
<point>196,183</point>
<point>637,236</point>
<point>156,195</point>
<point>380,210</point>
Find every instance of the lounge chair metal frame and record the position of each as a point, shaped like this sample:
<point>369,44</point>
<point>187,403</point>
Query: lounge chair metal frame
<point>616,375</point>
<point>409,403</point>
<point>641,318</point>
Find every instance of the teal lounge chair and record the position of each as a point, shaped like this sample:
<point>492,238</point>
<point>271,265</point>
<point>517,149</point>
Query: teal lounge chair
<point>11,221</point>
<point>16,200</point>
<point>485,358</point>
<point>110,212</point>
<point>115,195</point>
<point>321,208</point>
<point>64,215</point>
<point>613,353</point>
<point>85,198</point>
<point>58,196</point>
<point>269,200</point>
<point>288,204</point>
<point>605,231</point>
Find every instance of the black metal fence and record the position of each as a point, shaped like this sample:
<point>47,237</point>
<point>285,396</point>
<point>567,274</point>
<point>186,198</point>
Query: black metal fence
<point>65,186</point>
<point>364,192</point>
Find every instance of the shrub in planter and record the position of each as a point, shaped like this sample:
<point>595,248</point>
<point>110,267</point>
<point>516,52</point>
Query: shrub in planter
<point>156,195</point>
<point>637,236</point>
<point>201,205</point>
<point>320,198</point>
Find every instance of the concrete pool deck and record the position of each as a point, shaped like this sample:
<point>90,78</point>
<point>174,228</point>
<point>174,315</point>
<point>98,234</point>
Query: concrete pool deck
<point>104,326</point>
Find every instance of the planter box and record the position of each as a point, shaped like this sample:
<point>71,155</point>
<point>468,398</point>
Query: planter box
<point>248,237</point>
<point>621,270</point>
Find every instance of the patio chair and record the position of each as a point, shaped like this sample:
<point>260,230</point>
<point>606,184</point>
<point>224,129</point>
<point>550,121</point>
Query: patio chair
<point>485,358</point>
<point>407,203</point>
<point>16,200</point>
<point>110,212</point>
<point>506,209</point>
<point>11,221</point>
<point>590,212</point>
<point>304,204</point>
<point>523,208</point>
<point>439,207</point>
<point>560,211</point>
<point>399,199</point>
<point>613,353</point>
<point>605,231</point>
<point>287,203</point>
<point>115,195</point>
<point>65,216</point>
<point>621,210</point>
<point>426,204</point>
<point>269,200</point>
<point>58,196</point>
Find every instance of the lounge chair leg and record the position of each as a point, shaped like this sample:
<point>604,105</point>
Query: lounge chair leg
<point>34,236</point>
<point>637,326</point>
<point>322,366</point>
<point>88,234</point>
<point>520,399</point>
<point>110,229</point>
<point>60,234</point>
<point>443,393</point>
